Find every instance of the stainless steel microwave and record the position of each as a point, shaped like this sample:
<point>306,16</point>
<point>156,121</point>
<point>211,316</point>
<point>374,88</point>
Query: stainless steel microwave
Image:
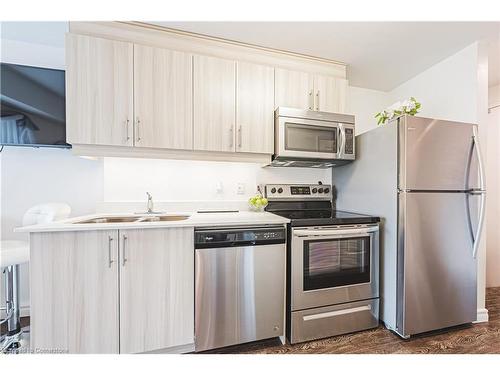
<point>306,138</point>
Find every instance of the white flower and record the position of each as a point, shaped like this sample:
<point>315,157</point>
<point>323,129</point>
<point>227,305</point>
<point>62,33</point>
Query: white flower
<point>411,106</point>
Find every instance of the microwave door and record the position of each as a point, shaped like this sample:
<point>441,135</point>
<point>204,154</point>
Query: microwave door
<point>307,139</point>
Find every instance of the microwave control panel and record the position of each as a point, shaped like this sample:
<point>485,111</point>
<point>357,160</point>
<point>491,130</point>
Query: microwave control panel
<point>349,141</point>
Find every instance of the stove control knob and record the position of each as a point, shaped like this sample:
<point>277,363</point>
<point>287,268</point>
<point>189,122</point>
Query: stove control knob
<point>280,190</point>
<point>315,190</point>
<point>327,190</point>
<point>320,190</point>
<point>273,190</point>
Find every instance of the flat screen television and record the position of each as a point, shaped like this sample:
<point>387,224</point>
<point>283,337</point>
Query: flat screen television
<point>33,106</point>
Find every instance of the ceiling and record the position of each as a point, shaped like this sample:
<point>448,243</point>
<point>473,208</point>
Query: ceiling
<point>380,55</point>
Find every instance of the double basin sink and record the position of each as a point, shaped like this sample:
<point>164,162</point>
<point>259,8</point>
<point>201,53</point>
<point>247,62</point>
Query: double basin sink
<point>132,219</point>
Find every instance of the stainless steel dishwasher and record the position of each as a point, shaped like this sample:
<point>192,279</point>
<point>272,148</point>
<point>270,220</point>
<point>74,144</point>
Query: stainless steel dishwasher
<point>239,285</point>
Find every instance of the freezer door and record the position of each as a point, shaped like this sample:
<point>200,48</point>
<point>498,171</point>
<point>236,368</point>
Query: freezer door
<point>436,155</point>
<point>437,283</point>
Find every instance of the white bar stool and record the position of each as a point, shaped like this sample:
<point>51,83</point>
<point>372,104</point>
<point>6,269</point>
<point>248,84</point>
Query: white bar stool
<point>13,253</point>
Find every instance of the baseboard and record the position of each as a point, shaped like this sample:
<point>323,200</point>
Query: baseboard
<point>482,316</point>
<point>181,349</point>
<point>23,311</point>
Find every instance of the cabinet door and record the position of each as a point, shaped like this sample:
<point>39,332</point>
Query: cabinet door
<point>330,94</point>
<point>163,98</point>
<point>255,108</point>
<point>156,289</point>
<point>293,89</point>
<point>99,91</point>
<point>214,104</point>
<point>74,291</point>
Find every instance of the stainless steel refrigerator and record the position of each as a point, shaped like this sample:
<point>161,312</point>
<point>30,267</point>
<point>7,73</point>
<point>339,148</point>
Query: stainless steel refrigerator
<point>424,177</point>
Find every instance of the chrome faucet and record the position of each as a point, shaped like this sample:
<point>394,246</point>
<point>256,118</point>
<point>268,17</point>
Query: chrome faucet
<point>150,203</point>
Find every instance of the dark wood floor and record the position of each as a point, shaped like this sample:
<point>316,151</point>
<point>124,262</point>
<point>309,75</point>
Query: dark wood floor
<point>25,321</point>
<point>475,338</point>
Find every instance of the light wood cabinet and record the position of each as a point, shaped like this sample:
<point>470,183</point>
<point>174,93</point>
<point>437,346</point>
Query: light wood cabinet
<point>126,291</point>
<point>214,104</point>
<point>163,87</point>
<point>157,101</point>
<point>156,289</point>
<point>99,91</point>
<point>74,292</point>
<point>255,108</point>
<point>310,91</point>
<point>330,94</point>
<point>293,89</point>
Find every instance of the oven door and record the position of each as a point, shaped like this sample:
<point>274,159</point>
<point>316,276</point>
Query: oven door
<point>301,138</point>
<point>332,265</point>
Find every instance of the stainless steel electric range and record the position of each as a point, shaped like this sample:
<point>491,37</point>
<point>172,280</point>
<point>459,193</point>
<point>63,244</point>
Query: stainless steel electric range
<point>332,263</point>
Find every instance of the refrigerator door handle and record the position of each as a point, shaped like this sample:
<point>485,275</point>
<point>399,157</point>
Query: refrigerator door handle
<point>481,191</point>
<point>480,225</point>
<point>477,148</point>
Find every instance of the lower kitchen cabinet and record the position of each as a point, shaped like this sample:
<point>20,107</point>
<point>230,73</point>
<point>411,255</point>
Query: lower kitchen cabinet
<point>156,289</point>
<point>74,292</point>
<point>112,291</point>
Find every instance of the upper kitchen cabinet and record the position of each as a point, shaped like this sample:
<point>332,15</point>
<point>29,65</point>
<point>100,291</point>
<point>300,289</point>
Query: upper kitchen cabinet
<point>255,108</point>
<point>310,91</point>
<point>330,94</point>
<point>163,98</point>
<point>293,89</point>
<point>150,92</point>
<point>99,91</point>
<point>214,104</point>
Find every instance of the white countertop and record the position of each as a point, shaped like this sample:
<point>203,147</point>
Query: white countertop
<point>195,220</point>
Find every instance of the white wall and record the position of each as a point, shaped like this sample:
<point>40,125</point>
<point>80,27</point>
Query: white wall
<point>447,90</point>
<point>493,200</point>
<point>127,180</point>
<point>364,104</point>
<point>35,175</point>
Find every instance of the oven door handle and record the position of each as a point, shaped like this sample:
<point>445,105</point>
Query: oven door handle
<point>331,232</point>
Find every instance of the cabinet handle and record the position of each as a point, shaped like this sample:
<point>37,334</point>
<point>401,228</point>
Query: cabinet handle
<point>231,137</point>
<point>127,122</point>
<point>110,240</point>
<point>138,123</point>
<point>239,136</point>
<point>125,238</point>
<point>311,104</point>
<point>317,101</point>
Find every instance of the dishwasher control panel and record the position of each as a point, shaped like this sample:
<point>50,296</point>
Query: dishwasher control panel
<point>204,238</point>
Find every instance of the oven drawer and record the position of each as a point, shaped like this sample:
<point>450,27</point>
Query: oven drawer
<point>333,320</point>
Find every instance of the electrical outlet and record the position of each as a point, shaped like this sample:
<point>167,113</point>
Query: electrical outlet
<point>219,188</point>
<point>240,190</point>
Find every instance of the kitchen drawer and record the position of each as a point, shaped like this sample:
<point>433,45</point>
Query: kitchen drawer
<point>334,320</point>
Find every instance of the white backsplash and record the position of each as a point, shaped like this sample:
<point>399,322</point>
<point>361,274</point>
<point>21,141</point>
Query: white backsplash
<point>180,185</point>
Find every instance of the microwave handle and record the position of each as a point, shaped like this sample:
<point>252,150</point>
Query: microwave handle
<point>332,232</point>
<point>341,139</point>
